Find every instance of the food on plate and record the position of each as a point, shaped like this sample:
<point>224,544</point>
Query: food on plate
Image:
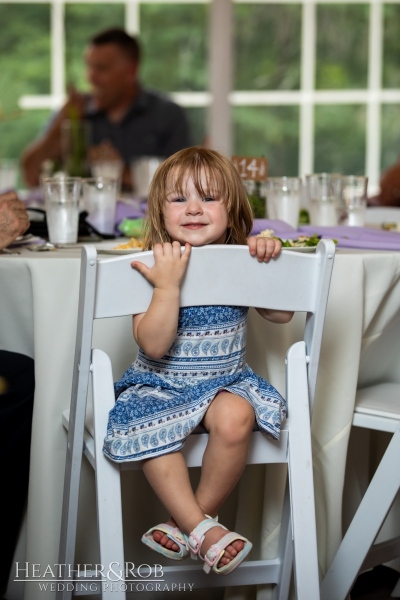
<point>132,243</point>
<point>302,241</point>
<point>391,226</point>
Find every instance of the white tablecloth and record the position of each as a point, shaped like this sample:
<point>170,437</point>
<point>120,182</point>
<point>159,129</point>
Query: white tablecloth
<point>38,310</point>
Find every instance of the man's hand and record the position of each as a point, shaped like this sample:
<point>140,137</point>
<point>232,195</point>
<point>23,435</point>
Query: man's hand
<point>14,220</point>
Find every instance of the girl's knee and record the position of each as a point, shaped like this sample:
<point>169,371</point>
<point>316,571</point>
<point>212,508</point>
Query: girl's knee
<point>235,423</point>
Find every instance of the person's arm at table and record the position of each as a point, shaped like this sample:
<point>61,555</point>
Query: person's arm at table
<point>48,146</point>
<point>14,220</point>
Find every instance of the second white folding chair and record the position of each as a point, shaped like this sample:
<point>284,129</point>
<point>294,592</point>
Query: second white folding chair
<point>377,408</point>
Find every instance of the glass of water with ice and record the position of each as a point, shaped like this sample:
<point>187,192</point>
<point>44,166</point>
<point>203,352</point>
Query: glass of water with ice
<point>62,196</point>
<point>100,200</point>
<point>324,199</point>
<point>354,193</point>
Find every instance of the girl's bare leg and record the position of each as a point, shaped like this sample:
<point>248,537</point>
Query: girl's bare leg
<point>229,420</point>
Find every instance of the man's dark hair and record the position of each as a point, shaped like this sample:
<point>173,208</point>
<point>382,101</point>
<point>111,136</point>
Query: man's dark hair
<point>120,38</point>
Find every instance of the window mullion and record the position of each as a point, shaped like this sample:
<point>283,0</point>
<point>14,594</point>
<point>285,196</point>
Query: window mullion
<point>373,125</point>
<point>308,50</point>
<point>57,34</point>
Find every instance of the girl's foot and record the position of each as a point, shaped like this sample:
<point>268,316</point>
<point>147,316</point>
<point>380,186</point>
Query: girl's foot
<point>162,538</point>
<point>221,550</point>
<point>213,536</point>
<point>167,539</point>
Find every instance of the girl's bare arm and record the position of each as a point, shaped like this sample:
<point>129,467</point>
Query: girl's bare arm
<point>155,330</point>
<point>265,248</point>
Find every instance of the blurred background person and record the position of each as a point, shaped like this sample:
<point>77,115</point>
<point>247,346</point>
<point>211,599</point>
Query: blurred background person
<point>389,194</point>
<point>14,220</point>
<point>17,384</point>
<point>125,119</point>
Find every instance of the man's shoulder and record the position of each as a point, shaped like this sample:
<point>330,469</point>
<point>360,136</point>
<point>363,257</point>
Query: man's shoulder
<point>153,99</point>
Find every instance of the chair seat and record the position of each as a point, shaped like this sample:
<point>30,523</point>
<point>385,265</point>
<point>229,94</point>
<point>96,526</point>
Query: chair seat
<point>379,400</point>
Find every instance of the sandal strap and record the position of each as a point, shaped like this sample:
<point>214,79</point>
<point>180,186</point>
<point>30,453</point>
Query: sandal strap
<point>217,550</point>
<point>196,537</point>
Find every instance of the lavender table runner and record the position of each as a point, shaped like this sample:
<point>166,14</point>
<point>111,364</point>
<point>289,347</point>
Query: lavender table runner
<point>347,237</point>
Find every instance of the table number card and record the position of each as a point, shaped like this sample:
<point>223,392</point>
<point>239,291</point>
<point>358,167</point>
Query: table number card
<point>254,168</point>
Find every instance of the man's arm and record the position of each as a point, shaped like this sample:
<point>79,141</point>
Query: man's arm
<point>48,146</point>
<point>14,220</point>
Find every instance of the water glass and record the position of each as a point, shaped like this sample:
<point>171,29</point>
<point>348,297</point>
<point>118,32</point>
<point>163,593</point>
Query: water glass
<point>62,196</point>
<point>324,199</point>
<point>142,171</point>
<point>283,199</point>
<point>110,169</point>
<point>8,174</point>
<point>354,194</point>
<point>100,201</point>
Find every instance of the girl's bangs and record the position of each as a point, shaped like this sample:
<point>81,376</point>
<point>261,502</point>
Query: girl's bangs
<point>206,177</point>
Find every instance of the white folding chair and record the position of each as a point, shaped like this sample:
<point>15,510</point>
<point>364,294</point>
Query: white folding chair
<point>376,408</point>
<point>377,215</point>
<point>216,275</point>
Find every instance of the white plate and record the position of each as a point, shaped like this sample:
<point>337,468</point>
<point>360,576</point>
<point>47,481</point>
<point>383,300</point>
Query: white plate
<point>301,248</point>
<point>109,248</point>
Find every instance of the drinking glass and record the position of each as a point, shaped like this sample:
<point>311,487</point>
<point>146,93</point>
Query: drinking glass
<point>142,171</point>
<point>324,198</point>
<point>8,174</point>
<point>100,200</point>
<point>62,196</point>
<point>354,194</point>
<point>110,169</point>
<point>283,199</point>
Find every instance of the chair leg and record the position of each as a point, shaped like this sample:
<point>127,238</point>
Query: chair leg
<point>365,525</point>
<point>285,551</point>
<point>301,477</point>
<point>108,488</point>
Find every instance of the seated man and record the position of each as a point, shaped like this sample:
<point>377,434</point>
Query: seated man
<point>126,120</point>
<point>17,382</point>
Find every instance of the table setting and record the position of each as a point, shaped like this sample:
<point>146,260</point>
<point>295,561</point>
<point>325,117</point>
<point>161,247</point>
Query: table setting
<point>363,317</point>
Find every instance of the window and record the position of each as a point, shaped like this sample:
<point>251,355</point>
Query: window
<point>314,86</point>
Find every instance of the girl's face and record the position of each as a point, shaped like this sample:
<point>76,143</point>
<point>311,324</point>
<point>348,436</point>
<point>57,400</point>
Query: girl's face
<point>195,218</point>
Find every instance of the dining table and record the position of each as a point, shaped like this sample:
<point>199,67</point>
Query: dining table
<point>361,345</point>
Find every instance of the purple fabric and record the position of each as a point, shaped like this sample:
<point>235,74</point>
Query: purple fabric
<point>347,237</point>
<point>135,210</point>
<point>357,237</point>
<point>280,228</point>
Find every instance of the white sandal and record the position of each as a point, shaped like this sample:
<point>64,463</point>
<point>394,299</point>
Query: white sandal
<point>174,534</point>
<point>217,550</point>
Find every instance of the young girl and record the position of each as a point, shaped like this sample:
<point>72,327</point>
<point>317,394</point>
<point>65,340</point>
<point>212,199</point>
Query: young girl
<point>196,198</point>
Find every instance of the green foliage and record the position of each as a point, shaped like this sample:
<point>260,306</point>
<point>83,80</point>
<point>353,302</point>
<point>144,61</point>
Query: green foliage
<point>271,131</point>
<point>342,46</point>
<point>391,46</point>
<point>267,46</point>
<point>24,51</point>
<point>340,139</point>
<point>24,69</point>
<point>390,139</point>
<point>174,40</point>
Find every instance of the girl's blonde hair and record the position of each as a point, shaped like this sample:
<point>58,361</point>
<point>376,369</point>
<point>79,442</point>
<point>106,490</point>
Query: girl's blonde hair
<point>222,178</point>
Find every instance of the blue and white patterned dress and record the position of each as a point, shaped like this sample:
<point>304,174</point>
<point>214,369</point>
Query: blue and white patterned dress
<point>161,401</point>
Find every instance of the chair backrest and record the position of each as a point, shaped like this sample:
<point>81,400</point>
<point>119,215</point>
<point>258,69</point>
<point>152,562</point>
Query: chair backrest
<point>376,215</point>
<point>217,274</point>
